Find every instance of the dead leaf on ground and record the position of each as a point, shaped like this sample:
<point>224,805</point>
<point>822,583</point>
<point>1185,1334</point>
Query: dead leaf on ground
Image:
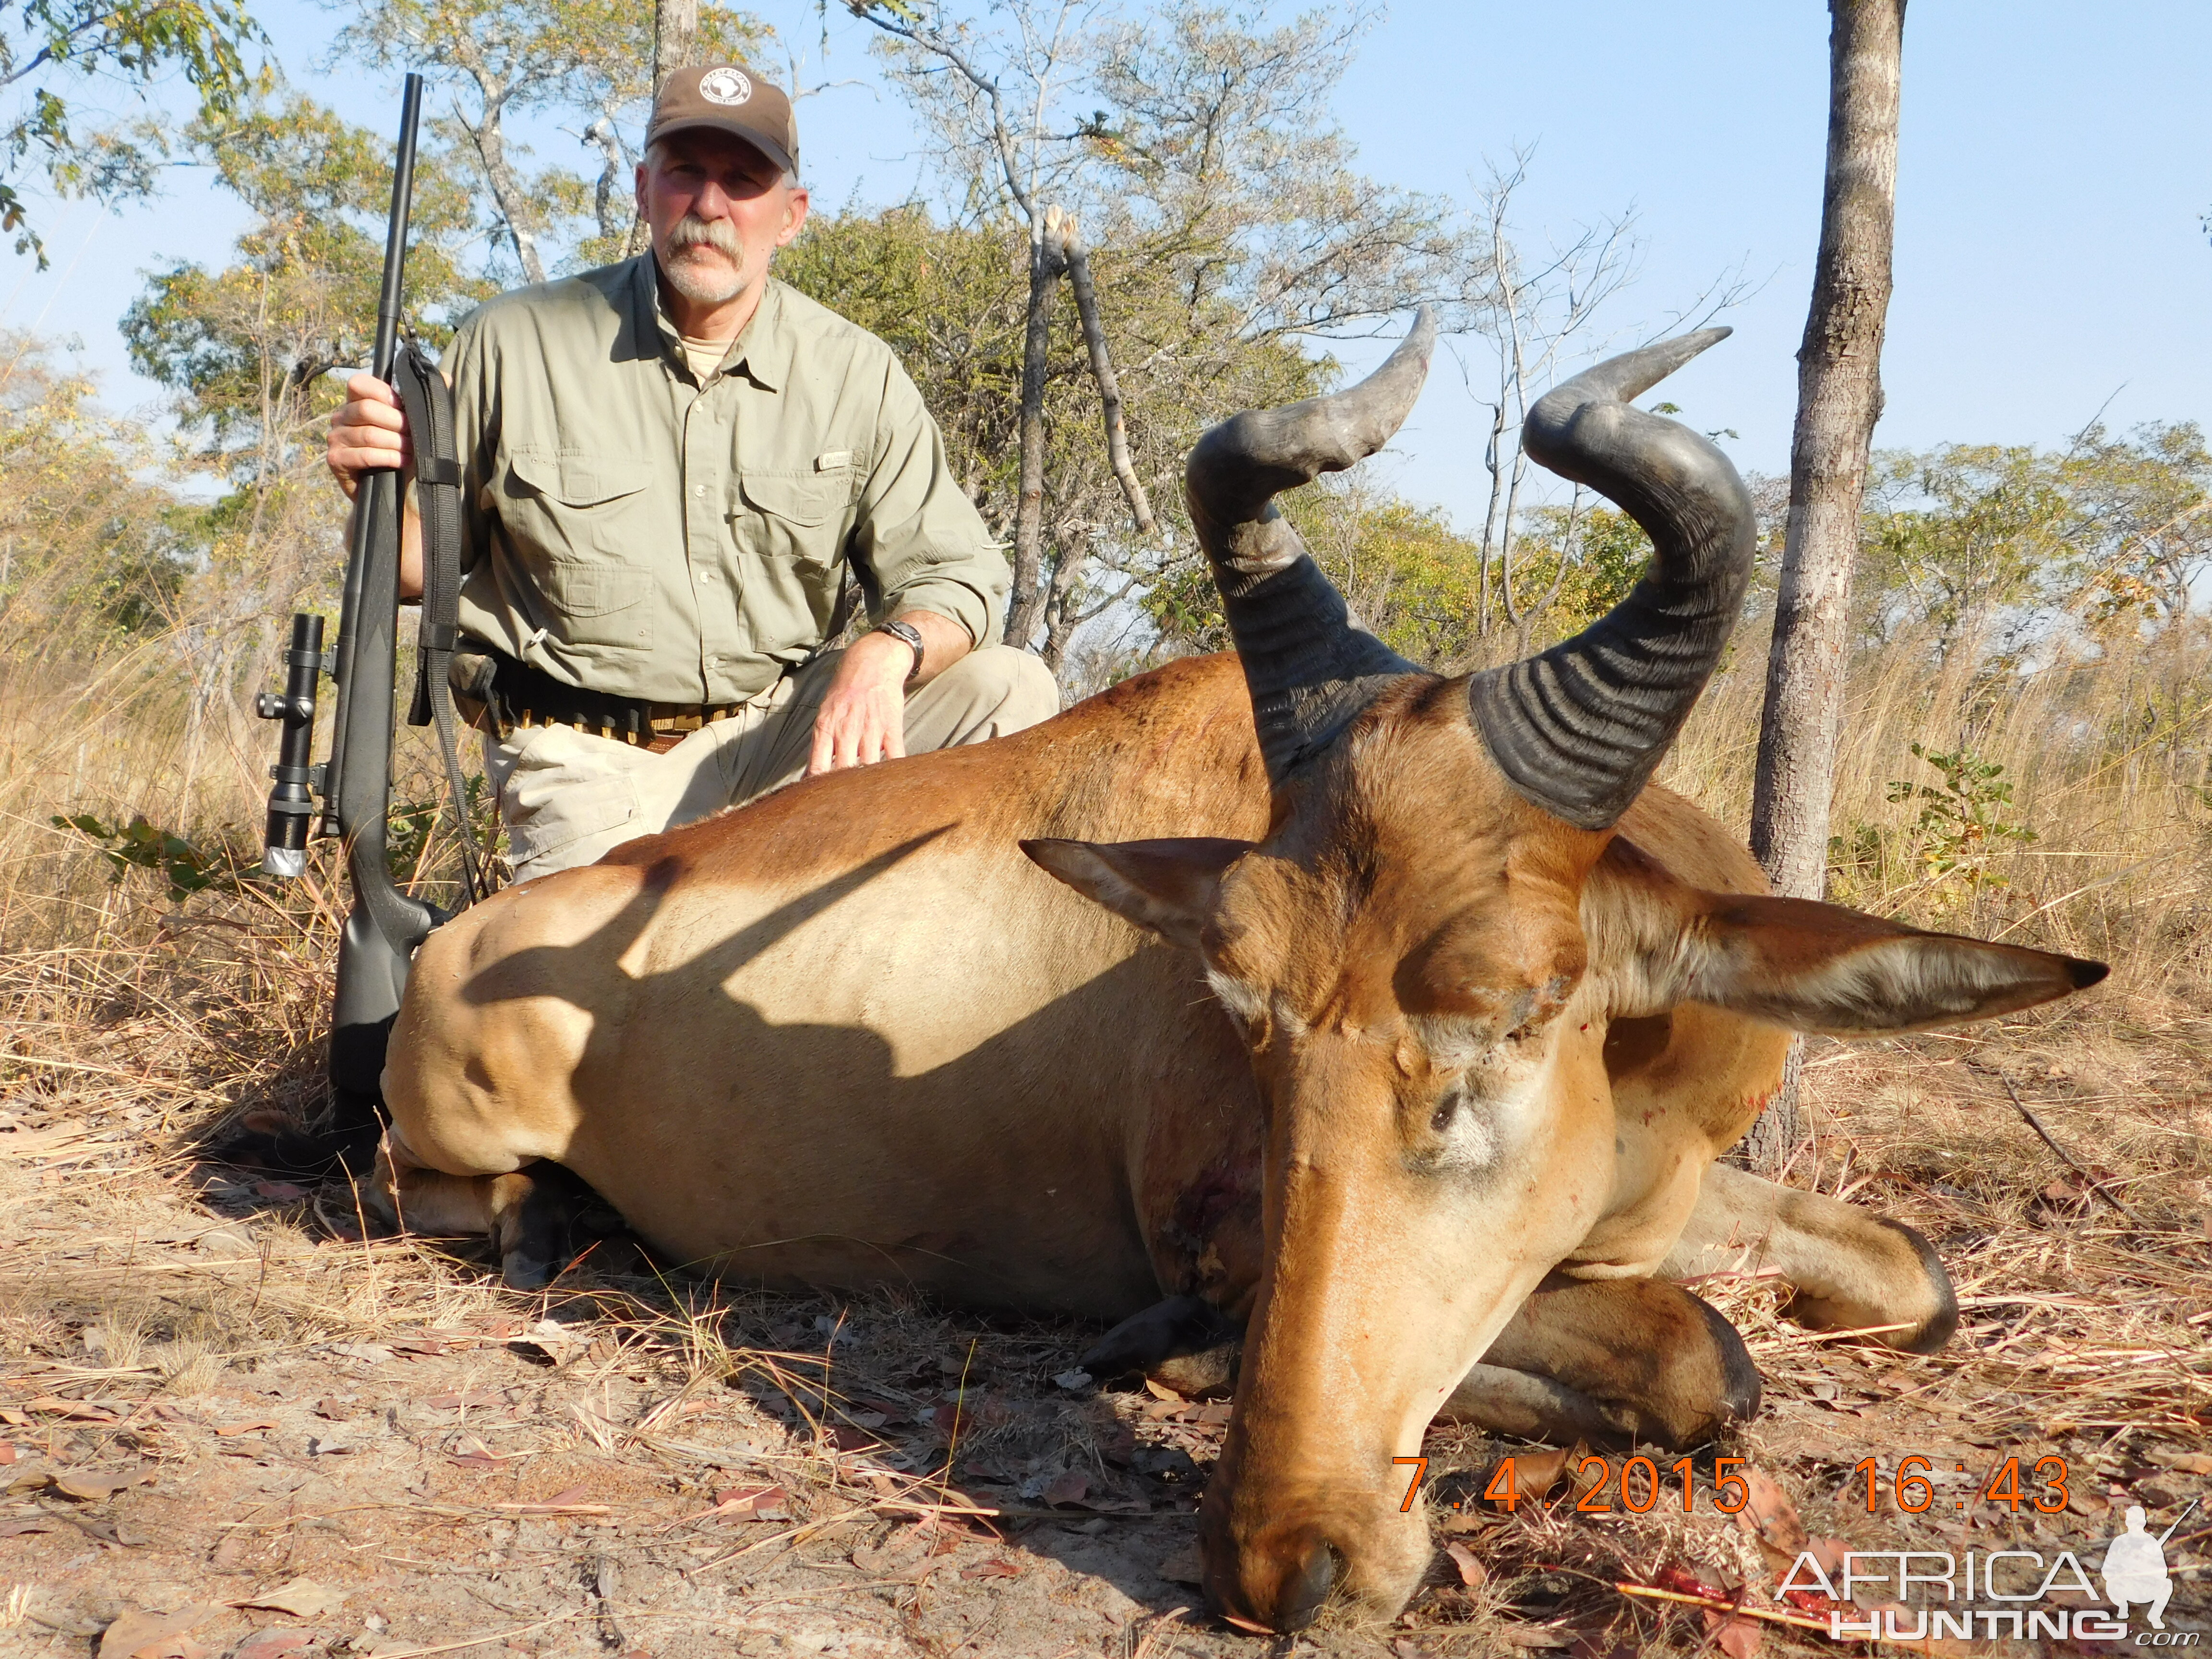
<point>1471,1572</point>
<point>996,1567</point>
<point>1067,1487</point>
<point>1733,1634</point>
<point>75,1411</point>
<point>370,1354</point>
<point>478,1460</point>
<point>149,1633</point>
<point>751,1504</point>
<point>1770,1517</point>
<point>92,1487</point>
<point>1531,1636</point>
<point>7,1452</point>
<point>303,1598</point>
<point>225,1431</point>
<point>275,1643</point>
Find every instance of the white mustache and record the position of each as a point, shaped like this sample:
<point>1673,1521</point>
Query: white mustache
<point>691,230</point>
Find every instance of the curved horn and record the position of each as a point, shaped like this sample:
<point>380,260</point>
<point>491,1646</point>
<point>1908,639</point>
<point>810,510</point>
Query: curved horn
<point>1309,669</point>
<point>1579,728</point>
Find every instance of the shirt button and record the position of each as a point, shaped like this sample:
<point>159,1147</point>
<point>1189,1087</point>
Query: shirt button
<point>698,489</point>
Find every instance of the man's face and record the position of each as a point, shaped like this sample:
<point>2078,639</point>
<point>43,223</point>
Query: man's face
<point>717,210</point>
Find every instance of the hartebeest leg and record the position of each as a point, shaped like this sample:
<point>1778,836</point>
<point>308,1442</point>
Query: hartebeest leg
<point>1611,1361</point>
<point>1851,1271</point>
<point>530,1214</point>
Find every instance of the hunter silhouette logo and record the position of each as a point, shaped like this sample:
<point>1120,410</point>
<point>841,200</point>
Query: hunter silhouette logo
<point>2135,1568</point>
<point>724,86</point>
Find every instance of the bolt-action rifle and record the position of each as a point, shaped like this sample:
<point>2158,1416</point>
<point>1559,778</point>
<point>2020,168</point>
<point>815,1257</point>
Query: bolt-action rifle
<point>387,924</point>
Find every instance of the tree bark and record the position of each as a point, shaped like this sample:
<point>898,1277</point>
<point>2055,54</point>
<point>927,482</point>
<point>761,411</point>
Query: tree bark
<point>1838,401</point>
<point>506,192</point>
<point>1078,258</point>
<point>605,196</point>
<point>675,37</point>
<point>1025,605</point>
<point>508,195</point>
<point>675,44</point>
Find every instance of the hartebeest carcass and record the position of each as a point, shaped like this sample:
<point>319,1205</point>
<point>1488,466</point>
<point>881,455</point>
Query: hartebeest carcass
<point>1484,1007</point>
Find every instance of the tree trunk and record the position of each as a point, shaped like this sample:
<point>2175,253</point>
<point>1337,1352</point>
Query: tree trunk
<point>1077,259</point>
<point>1025,605</point>
<point>508,195</point>
<point>1838,401</point>
<point>675,44</point>
<point>606,204</point>
<point>675,37</point>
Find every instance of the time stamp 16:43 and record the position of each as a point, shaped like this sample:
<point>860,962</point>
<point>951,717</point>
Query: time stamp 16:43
<point>1639,1485</point>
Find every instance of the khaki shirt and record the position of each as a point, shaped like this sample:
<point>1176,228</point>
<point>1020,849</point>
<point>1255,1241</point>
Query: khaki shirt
<point>634,530</point>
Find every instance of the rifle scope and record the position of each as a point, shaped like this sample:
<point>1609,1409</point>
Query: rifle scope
<point>291,801</point>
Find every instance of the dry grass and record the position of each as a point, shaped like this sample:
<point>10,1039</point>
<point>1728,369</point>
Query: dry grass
<point>133,1025</point>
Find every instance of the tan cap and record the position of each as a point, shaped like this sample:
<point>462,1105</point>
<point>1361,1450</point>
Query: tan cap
<point>731,99</point>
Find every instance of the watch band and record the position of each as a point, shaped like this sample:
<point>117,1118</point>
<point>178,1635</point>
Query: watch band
<point>907,634</point>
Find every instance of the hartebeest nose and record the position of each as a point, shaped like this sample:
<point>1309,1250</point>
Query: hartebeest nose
<point>1278,1583</point>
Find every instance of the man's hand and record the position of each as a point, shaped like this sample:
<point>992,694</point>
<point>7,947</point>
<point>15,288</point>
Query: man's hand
<point>863,719</point>
<point>368,432</point>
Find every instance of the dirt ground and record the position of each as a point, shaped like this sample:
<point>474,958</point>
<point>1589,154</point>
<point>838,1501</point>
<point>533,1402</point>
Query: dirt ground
<point>233,1425</point>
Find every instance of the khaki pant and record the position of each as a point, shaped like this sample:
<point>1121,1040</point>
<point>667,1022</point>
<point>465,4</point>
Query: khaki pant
<point>568,797</point>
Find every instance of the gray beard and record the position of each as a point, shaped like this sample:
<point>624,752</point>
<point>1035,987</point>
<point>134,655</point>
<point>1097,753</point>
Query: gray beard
<point>703,284</point>
<point>698,280</point>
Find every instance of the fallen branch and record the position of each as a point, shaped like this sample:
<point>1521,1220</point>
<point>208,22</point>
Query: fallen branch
<point>2068,1159</point>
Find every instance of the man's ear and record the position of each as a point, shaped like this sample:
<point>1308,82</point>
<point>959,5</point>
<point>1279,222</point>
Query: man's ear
<point>1822,968</point>
<point>794,216</point>
<point>1169,886</point>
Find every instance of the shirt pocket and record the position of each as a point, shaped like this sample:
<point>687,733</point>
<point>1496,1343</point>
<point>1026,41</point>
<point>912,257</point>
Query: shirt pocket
<point>585,523</point>
<point>793,516</point>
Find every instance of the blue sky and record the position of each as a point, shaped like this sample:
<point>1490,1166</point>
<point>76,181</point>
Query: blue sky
<point>2056,162</point>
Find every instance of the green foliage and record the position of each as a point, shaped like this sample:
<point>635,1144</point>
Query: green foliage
<point>420,847</point>
<point>1604,552</point>
<point>89,551</point>
<point>138,845</point>
<point>49,48</point>
<point>248,349</point>
<point>949,300</point>
<point>1963,821</point>
<point>492,59</point>
<point>1986,546</point>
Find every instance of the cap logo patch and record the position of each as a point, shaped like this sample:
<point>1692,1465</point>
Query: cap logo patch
<point>724,86</point>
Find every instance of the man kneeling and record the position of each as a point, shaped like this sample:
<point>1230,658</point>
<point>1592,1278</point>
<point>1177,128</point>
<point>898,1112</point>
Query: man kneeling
<point>671,470</point>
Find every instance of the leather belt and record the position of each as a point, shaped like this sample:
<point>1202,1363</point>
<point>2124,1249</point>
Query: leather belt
<point>490,685</point>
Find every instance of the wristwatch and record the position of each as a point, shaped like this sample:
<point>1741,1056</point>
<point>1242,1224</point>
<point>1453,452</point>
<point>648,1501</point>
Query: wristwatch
<point>907,634</point>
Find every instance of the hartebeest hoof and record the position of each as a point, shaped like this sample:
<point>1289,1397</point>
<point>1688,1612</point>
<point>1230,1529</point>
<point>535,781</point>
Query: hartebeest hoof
<point>536,1214</point>
<point>1647,1360</point>
<point>1911,1273</point>
<point>1184,1343</point>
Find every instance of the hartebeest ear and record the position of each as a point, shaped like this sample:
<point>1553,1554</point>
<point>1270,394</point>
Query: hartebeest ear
<point>1167,886</point>
<point>1822,968</point>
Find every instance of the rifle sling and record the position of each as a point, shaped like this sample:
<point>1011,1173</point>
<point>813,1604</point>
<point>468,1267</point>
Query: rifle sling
<point>427,403</point>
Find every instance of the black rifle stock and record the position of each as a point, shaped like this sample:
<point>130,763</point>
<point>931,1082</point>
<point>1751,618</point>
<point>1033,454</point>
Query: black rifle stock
<point>385,924</point>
